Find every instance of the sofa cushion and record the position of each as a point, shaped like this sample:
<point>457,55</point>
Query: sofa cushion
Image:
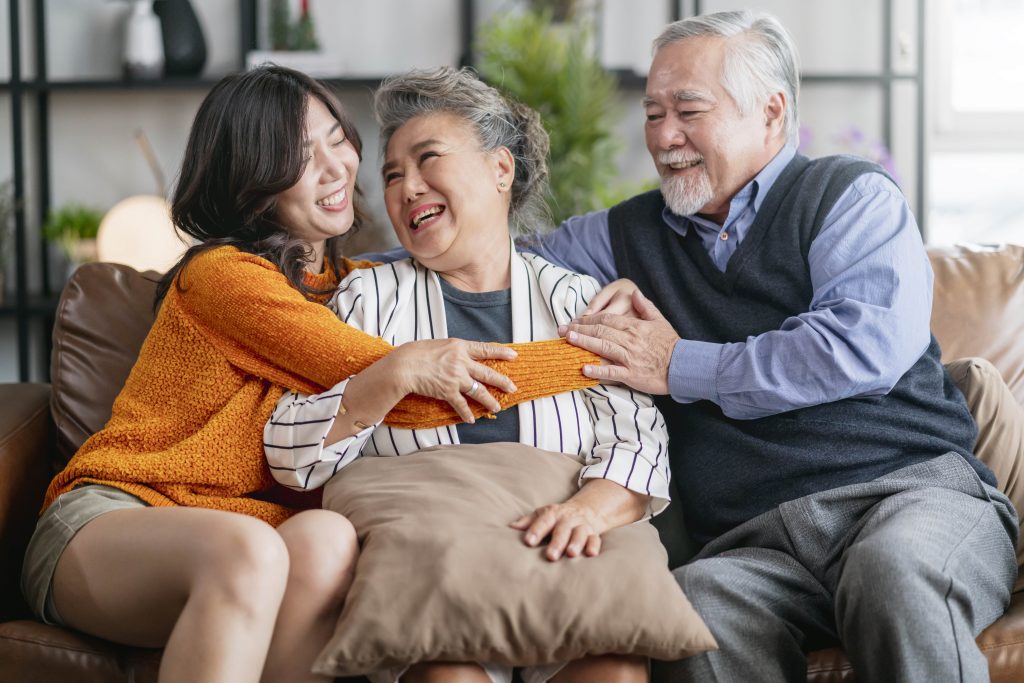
<point>1002,643</point>
<point>442,576</point>
<point>31,651</point>
<point>104,314</point>
<point>25,433</point>
<point>978,308</point>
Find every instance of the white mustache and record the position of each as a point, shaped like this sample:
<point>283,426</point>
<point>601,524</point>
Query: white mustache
<point>678,157</point>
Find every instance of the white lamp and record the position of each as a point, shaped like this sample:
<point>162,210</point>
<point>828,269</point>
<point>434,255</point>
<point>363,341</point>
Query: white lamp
<point>138,232</point>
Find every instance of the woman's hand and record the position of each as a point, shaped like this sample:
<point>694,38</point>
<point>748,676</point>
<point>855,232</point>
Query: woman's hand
<point>576,525</point>
<point>574,529</point>
<point>616,297</point>
<point>449,369</point>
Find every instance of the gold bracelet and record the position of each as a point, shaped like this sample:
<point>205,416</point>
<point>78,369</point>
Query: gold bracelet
<point>358,423</point>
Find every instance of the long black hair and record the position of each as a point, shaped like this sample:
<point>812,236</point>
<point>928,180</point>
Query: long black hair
<point>245,147</point>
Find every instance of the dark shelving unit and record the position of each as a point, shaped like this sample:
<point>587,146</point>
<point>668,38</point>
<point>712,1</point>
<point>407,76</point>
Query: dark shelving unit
<point>20,308</point>
<point>32,309</point>
<point>38,308</point>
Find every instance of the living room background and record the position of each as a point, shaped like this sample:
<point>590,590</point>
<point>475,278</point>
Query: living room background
<point>94,158</point>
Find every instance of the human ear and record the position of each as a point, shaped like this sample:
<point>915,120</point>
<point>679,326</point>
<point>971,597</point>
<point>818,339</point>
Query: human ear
<point>775,111</point>
<point>504,168</point>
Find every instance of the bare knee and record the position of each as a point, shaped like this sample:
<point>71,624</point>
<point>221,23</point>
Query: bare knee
<point>610,668</point>
<point>322,550</point>
<point>446,672</point>
<point>245,565</point>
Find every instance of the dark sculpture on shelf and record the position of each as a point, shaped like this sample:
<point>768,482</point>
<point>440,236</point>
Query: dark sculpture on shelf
<point>184,45</point>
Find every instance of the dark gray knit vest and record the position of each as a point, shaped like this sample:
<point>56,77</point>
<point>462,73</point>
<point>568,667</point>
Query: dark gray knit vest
<point>728,471</point>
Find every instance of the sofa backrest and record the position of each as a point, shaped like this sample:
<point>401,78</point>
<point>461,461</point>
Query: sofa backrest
<point>979,307</point>
<point>107,309</point>
<point>103,316</point>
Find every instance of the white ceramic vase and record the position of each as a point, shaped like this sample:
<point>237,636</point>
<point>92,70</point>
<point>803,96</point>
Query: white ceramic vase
<point>143,43</point>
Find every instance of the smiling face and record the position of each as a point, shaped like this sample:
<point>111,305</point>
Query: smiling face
<point>704,148</point>
<point>445,198</point>
<point>319,205</point>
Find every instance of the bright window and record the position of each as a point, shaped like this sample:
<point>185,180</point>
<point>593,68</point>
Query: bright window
<point>976,164</point>
<point>987,60</point>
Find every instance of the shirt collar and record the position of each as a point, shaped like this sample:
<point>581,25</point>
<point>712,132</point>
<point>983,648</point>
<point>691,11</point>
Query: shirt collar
<point>753,193</point>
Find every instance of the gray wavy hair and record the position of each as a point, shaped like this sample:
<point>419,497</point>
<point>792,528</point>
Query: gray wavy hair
<point>498,122</point>
<point>760,58</point>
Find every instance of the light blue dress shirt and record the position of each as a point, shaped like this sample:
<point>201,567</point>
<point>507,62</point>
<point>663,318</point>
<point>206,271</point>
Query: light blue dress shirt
<point>869,316</point>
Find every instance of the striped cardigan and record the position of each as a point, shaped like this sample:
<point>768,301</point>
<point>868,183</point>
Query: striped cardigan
<point>616,432</point>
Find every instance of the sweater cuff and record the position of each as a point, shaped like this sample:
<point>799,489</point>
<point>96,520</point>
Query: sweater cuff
<point>545,368</point>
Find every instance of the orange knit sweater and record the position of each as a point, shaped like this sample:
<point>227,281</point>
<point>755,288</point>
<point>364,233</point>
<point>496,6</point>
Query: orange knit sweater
<point>187,428</point>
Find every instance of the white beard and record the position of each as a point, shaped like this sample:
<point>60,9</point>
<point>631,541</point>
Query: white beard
<point>686,195</point>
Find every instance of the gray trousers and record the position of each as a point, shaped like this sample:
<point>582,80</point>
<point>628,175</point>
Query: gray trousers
<point>904,571</point>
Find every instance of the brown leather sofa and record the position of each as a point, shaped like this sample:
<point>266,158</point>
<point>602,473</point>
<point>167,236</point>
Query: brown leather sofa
<point>103,316</point>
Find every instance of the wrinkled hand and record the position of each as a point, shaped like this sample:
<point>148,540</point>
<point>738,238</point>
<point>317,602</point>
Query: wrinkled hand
<point>446,369</point>
<point>574,529</point>
<point>616,297</point>
<point>638,350</point>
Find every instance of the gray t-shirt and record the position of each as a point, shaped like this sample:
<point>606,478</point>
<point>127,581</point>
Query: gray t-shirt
<point>482,316</point>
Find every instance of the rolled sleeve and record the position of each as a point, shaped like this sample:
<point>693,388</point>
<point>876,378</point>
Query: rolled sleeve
<point>631,444</point>
<point>295,439</point>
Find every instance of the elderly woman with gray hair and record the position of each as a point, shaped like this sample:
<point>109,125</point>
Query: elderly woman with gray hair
<point>465,169</point>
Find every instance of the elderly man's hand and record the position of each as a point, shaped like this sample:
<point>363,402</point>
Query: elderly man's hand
<point>638,351</point>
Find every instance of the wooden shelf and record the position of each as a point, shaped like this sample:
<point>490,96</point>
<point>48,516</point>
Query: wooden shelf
<point>167,84</point>
<point>632,80</point>
<point>37,306</point>
<point>121,84</point>
<point>371,82</point>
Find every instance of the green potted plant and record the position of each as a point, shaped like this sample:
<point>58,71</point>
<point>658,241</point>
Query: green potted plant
<point>74,227</point>
<point>554,70</point>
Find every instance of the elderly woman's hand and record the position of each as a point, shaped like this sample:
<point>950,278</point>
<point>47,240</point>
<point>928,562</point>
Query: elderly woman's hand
<point>449,369</point>
<point>616,298</point>
<point>575,526</point>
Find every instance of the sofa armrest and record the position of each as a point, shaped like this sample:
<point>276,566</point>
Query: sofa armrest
<point>25,472</point>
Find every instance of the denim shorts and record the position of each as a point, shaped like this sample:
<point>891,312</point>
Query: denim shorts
<point>55,529</point>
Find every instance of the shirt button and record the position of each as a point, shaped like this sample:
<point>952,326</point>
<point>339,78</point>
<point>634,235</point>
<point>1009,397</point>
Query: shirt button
<point>723,236</point>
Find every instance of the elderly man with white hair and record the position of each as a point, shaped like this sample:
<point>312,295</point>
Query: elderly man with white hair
<point>822,453</point>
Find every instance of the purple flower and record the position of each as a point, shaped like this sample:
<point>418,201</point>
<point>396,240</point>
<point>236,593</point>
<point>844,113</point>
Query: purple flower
<point>806,137</point>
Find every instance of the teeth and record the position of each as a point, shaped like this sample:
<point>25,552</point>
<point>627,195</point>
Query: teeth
<point>680,165</point>
<point>424,215</point>
<point>336,198</point>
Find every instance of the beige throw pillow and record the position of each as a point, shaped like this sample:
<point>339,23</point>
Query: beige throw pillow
<point>1000,430</point>
<point>441,575</point>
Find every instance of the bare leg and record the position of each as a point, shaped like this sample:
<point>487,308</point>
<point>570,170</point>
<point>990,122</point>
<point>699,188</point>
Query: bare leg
<point>606,668</point>
<point>445,672</point>
<point>204,584</point>
<point>322,552</point>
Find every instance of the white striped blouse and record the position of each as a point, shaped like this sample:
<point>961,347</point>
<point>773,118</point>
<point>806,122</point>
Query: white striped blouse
<point>615,432</point>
